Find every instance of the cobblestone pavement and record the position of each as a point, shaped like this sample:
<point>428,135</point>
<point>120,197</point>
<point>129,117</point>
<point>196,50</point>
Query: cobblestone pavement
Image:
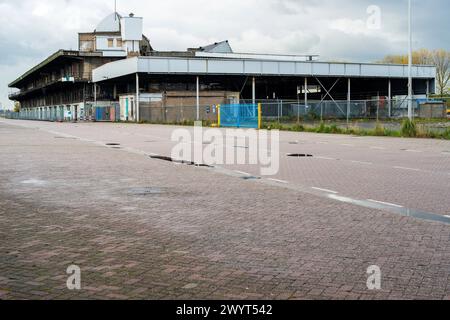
<point>141,228</point>
<point>413,173</point>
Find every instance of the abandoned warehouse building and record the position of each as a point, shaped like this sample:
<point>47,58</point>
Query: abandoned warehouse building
<point>116,75</point>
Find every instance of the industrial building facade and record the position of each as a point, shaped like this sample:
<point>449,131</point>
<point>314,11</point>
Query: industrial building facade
<point>117,75</point>
<point>61,88</point>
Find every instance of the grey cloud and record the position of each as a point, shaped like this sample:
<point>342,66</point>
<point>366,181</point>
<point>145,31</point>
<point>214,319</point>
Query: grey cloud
<point>33,29</point>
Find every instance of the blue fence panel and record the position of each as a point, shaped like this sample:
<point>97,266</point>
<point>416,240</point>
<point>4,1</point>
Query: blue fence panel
<point>239,115</point>
<point>103,114</point>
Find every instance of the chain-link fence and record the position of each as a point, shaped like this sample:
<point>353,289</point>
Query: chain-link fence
<point>177,114</point>
<point>280,111</point>
<point>283,111</point>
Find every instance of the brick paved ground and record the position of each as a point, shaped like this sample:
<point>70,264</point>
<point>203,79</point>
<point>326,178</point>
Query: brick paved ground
<point>201,234</point>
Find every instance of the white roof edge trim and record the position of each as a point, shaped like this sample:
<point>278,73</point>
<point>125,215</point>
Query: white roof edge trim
<point>218,66</point>
<point>115,69</point>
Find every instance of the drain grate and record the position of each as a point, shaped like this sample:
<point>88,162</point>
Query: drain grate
<point>300,155</point>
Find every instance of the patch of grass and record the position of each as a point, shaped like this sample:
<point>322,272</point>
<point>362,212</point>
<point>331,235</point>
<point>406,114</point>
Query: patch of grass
<point>409,128</point>
<point>273,126</point>
<point>298,128</point>
<point>379,130</point>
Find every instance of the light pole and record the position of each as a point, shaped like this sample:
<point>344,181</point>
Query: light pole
<point>410,82</point>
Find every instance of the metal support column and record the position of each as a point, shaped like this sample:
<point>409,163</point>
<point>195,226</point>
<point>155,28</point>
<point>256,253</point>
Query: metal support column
<point>298,104</point>
<point>94,108</point>
<point>306,92</point>
<point>198,97</point>
<point>254,91</point>
<point>410,81</point>
<point>390,98</point>
<point>349,99</point>
<point>95,95</point>
<point>137,113</point>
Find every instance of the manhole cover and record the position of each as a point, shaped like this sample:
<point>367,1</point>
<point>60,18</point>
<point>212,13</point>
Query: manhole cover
<point>113,144</point>
<point>299,155</point>
<point>146,191</point>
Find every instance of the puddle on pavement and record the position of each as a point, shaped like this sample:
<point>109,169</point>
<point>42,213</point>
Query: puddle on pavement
<point>250,178</point>
<point>34,182</point>
<point>421,215</point>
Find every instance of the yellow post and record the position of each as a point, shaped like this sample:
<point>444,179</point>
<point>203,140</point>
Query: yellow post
<point>259,116</point>
<point>218,115</point>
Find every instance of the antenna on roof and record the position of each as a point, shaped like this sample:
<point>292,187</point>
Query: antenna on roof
<point>115,10</point>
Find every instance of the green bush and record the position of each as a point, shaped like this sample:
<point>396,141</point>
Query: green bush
<point>273,126</point>
<point>298,128</point>
<point>409,129</point>
<point>379,130</point>
<point>446,134</point>
<point>335,129</point>
<point>321,128</point>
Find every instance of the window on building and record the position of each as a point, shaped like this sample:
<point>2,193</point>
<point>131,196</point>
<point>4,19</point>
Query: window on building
<point>110,42</point>
<point>119,43</point>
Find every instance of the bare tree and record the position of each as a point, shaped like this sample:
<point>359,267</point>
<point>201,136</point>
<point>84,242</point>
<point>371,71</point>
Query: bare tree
<point>441,59</point>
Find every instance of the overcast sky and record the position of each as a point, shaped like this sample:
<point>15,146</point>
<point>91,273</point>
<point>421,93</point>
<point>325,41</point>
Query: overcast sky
<point>31,30</point>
